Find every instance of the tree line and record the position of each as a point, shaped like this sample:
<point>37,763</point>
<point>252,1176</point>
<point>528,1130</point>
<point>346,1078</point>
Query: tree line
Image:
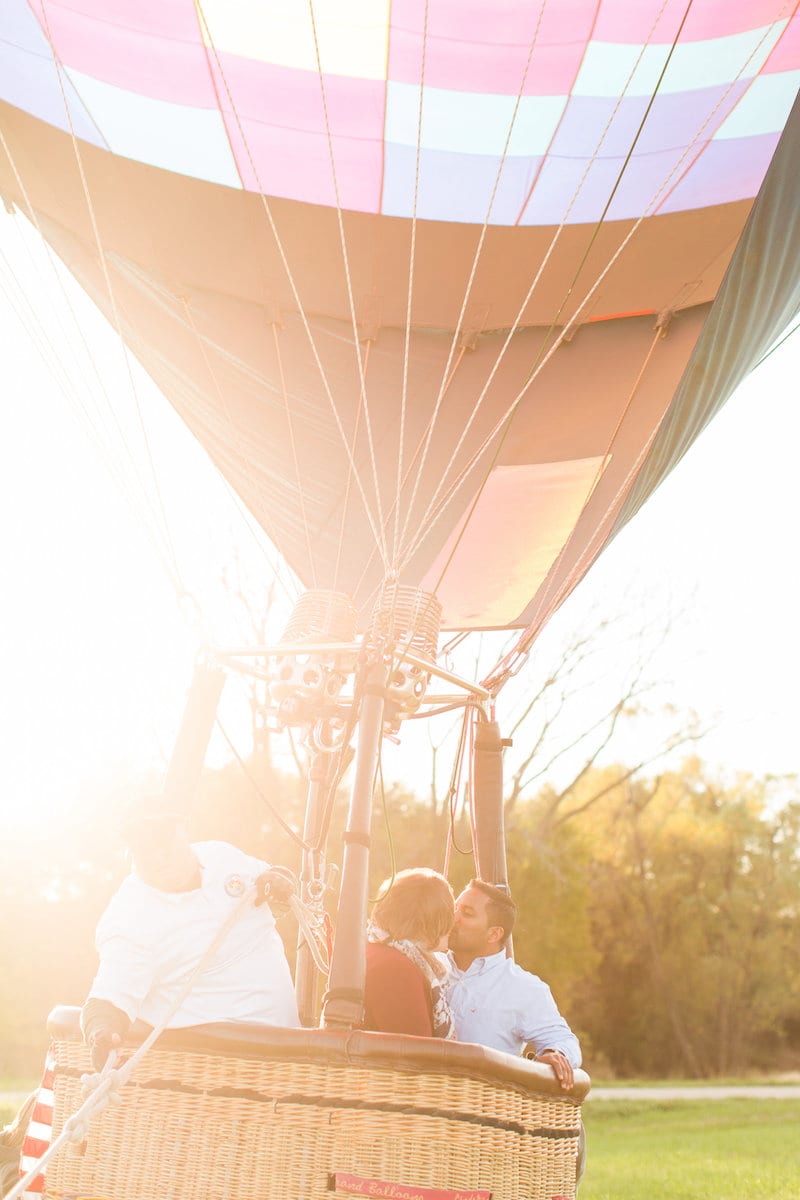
<point>662,910</point>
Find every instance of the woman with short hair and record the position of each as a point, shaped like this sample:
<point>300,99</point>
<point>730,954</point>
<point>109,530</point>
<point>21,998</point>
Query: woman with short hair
<point>403,990</point>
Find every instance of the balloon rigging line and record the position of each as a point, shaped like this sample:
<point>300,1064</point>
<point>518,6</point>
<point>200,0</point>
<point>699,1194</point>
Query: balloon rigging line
<point>587,555</point>
<point>42,338</point>
<point>235,435</point>
<point>349,482</point>
<point>505,667</point>
<point>534,371</point>
<point>20,304</point>
<point>410,294</point>
<point>537,278</point>
<point>787,334</point>
<point>295,459</point>
<point>26,315</point>
<point>427,517</point>
<point>292,284</point>
<point>140,504</point>
<point>66,383</point>
<point>112,298</point>
<point>402,477</point>
<point>617,182</point>
<point>220,394</point>
<point>653,206</point>
<point>537,172</point>
<point>454,790</point>
<point>471,798</point>
<point>424,443</point>
<point>369,559</point>
<point>346,260</point>
<point>387,824</point>
<point>287,828</point>
<point>446,378</point>
<point>542,361</point>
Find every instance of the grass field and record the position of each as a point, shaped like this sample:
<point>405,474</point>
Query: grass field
<point>7,1112</point>
<point>692,1150</point>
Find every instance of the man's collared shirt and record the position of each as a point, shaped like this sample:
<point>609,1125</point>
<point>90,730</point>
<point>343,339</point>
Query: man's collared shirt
<point>496,1003</point>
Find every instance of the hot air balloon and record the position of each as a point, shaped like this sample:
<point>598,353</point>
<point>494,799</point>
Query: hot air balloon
<point>445,291</point>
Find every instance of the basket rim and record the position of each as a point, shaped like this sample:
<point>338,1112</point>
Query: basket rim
<point>358,1047</point>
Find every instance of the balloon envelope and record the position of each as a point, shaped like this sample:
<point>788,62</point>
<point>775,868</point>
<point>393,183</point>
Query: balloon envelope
<point>444,289</point>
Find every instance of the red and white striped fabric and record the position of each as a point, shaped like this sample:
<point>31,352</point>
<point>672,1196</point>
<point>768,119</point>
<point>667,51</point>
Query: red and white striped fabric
<point>40,1129</point>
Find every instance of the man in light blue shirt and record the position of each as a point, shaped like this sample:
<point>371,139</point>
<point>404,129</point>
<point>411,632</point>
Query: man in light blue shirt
<point>494,1001</point>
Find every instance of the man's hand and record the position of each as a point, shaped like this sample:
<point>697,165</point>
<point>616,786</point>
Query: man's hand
<point>561,1065</point>
<point>101,1043</point>
<point>276,887</point>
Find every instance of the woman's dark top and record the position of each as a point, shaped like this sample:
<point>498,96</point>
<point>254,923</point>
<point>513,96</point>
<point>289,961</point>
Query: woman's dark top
<point>397,996</point>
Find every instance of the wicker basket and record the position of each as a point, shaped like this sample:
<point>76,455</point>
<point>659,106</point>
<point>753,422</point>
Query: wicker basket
<point>301,1114</point>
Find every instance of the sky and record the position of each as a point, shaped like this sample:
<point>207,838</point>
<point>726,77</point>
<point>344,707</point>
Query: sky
<point>108,592</point>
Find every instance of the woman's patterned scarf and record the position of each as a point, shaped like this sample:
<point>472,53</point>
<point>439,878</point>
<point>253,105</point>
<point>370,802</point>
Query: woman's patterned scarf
<point>433,970</point>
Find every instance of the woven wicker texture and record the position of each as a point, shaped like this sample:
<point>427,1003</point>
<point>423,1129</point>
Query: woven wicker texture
<point>197,1126</point>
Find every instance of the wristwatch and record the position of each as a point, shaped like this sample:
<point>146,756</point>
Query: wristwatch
<point>532,1054</point>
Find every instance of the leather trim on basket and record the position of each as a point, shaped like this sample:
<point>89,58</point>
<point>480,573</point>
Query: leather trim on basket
<point>347,1047</point>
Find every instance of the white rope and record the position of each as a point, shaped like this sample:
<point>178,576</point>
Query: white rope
<point>309,923</point>
<point>102,1088</point>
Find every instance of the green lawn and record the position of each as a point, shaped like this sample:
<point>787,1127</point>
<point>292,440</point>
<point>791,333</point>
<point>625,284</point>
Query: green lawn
<point>682,1150</point>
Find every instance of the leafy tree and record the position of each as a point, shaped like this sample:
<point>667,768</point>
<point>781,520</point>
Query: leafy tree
<point>694,913</point>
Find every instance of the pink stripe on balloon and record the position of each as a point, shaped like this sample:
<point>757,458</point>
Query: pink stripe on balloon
<point>159,18</point>
<point>292,99</point>
<point>467,50</point>
<point>133,47</point>
<point>295,163</point>
<point>786,55</point>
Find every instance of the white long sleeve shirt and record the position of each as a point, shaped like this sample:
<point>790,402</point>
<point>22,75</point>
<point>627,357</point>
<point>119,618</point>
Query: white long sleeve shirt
<point>496,1003</point>
<point>150,941</point>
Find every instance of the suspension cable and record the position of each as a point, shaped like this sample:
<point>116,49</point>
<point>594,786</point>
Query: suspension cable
<point>349,450</point>
<point>295,460</point>
<point>542,360</point>
<point>348,280</point>
<point>428,518</point>
<point>446,375</point>
<point>116,319</point>
<point>287,828</point>
<point>511,662</point>
<point>410,290</point>
<point>132,488</point>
